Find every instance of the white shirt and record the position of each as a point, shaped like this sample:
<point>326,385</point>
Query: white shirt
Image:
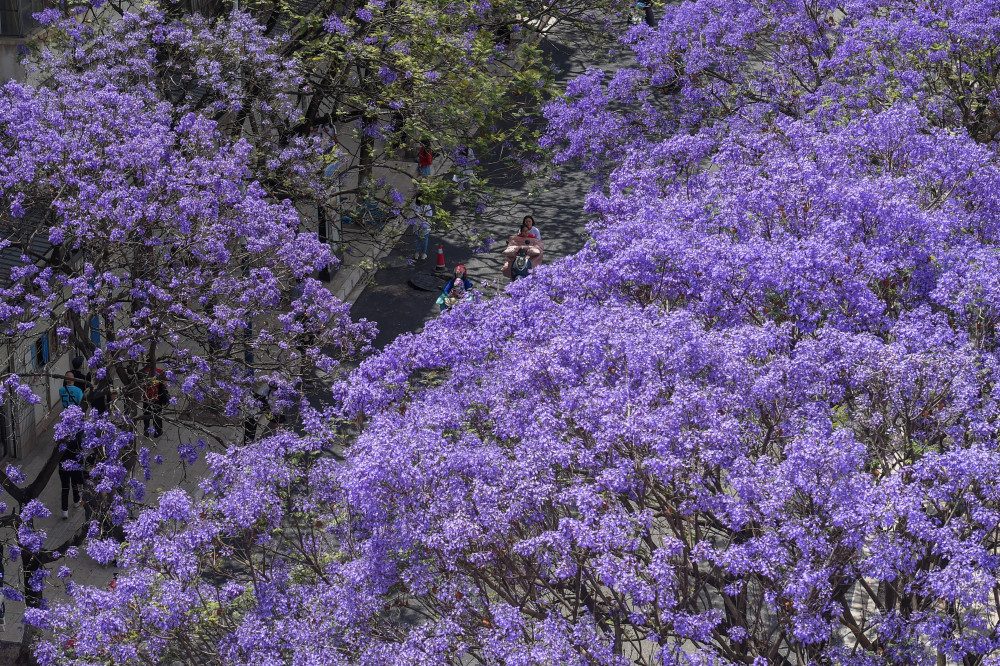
<point>422,216</point>
<point>424,211</point>
<point>534,233</point>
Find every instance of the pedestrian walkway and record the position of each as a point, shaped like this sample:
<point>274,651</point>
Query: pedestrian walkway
<point>171,474</point>
<point>369,246</point>
<point>368,250</point>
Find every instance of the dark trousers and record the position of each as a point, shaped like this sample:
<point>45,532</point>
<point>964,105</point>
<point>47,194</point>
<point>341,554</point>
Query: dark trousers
<point>152,411</point>
<point>67,478</point>
<point>249,429</point>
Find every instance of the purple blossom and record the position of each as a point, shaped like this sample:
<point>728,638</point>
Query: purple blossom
<point>754,415</point>
<point>14,473</point>
<point>187,453</point>
<point>34,509</point>
<point>334,24</point>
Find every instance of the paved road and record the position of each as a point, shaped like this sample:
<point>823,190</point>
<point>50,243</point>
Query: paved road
<point>558,212</point>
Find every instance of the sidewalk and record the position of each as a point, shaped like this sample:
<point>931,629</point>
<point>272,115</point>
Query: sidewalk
<point>58,530</point>
<point>347,283</point>
<point>557,206</point>
<point>360,266</point>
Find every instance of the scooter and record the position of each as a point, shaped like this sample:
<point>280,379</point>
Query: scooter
<point>452,297</point>
<point>446,302</point>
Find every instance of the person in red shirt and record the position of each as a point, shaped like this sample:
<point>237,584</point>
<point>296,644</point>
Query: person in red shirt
<point>425,158</point>
<point>153,398</point>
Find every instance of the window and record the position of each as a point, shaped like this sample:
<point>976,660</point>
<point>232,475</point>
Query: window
<point>16,17</point>
<point>40,351</point>
<point>10,26</point>
<point>46,348</point>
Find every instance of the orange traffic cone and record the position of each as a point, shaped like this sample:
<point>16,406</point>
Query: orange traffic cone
<point>440,263</point>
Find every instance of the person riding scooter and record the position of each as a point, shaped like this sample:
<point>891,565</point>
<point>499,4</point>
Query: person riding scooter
<point>521,266</point>
<point>457,289</point>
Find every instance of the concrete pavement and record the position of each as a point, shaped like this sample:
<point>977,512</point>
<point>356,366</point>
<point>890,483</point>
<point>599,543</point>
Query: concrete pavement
<point>171,474</point>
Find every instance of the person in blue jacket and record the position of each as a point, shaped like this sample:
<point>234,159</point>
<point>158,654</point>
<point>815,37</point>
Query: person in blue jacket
<point>456,289</point>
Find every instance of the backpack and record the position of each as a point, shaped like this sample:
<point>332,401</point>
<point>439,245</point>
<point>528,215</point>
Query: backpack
<point>70,395</point>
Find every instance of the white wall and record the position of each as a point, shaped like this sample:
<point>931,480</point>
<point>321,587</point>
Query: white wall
<point>10,59</point>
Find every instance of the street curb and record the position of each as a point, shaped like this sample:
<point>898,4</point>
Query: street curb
<point>357,275</point>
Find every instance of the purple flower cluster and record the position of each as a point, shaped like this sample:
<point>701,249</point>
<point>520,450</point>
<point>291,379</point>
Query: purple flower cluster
<point>754,420</point>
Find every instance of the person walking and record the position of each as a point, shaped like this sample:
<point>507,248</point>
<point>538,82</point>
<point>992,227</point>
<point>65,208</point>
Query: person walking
<point>101,396</point>
<point>422,214</point>
<point>154,397</point>
<point>81,379</point>
<point>463,164</point>
<point>71,474</point>
<point>425,159</point>
<point>70,395</point>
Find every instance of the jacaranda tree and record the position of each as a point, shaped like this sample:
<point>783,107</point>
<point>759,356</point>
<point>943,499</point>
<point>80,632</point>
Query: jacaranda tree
<point>752,421</point>
<point>159,233</point>
<point>820,59</point>
<point>455,77</point>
